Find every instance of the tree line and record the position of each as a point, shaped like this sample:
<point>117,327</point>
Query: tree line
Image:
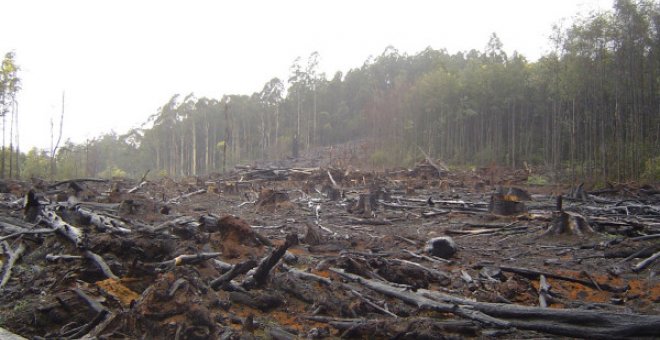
<point>588,108</point>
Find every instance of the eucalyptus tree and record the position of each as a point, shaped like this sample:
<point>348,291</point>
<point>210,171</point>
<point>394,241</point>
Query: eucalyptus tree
<point>270,98</point>
<point>296,88</point>
<point>312,79</point>
<point>9,88</point>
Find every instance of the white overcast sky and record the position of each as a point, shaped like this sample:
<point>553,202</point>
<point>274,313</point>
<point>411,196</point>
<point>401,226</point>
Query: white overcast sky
<point>118,61</point>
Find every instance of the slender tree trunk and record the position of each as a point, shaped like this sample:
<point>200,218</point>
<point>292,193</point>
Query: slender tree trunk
<point>11,143</point>
<point>2,166</point>
<point>182,159</point>
<point>193,163</point>
<point>18,151</point>
<point>206,147</point>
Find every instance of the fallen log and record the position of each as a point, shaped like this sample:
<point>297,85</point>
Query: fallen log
<point>13,255</point>
<point>104,223</point>
<point>96,180</point>
<point>7,335</point>
<point>564,322</point>
<point>421,302</point>
<point>72,233</point>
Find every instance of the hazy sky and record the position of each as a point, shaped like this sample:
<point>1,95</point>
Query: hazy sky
<point>119,61</point>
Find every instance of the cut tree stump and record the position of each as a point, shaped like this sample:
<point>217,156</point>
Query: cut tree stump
<point>270,199</point>
<point>505,205</point>
<point>367,203</point>
<point>568,222</point>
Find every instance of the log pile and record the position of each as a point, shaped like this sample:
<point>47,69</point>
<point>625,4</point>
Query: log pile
<point>262,252</point>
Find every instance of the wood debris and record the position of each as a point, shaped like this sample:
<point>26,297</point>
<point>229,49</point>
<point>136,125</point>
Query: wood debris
<point>304,252</point>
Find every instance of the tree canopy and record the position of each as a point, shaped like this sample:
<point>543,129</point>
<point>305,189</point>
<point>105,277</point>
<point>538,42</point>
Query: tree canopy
<point>590,107</point>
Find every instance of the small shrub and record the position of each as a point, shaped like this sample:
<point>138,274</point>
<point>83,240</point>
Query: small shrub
<point>112,172</point>
<point>652,169</point>
<point>538,180</point>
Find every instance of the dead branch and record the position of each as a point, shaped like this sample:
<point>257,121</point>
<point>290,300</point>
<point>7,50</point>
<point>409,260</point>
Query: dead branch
<point>172,223</point>
<point>177,199</point>
<point>53,258</point>
<point>643,264</point>
<point>535,274</point>
<point>544,291</point>
<point>101,313</point>
<point>27,232</point>
<point>100,263</point>
<point>237,269</point>
<point>188,259</point>
<point>307,276</point>
<point>142,182</point>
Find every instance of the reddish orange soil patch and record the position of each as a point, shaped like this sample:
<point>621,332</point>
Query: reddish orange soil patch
<point>118,290</point>
<point>296,250</point>
<point>645,290</point>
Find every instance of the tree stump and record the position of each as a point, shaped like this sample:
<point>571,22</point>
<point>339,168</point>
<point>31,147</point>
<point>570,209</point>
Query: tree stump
<point>568,222</point>
<point>505,206</point>
<point>312,236</point>
<point>331,192</point>
<point>514,194</point>
<point>367,203</point>
<point>271,199</point>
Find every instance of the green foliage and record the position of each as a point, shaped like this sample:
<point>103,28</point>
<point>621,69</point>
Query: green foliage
<point>588,108</point>
<point>112,172</point>
<point>652,170</point>
<point>538,180</point>
<point>380,158</point>
<point>37,164</point>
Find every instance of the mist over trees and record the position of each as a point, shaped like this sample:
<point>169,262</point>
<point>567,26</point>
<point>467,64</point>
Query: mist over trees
<point>589,108</point>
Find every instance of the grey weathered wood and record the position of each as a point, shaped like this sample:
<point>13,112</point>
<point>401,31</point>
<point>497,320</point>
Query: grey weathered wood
<point>564,322</point>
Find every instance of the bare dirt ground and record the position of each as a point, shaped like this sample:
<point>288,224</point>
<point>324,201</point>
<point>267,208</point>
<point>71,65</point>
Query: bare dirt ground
<point>283,252</point>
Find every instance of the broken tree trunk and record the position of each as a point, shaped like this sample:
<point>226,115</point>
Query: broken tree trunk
<point>237,269</point>
<point>260,275</point>
<point>72,233</point>
<point>13,255</point>
<point>104,223</point>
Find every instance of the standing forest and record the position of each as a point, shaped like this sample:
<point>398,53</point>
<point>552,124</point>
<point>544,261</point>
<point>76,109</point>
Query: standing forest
<point>589,108</point>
